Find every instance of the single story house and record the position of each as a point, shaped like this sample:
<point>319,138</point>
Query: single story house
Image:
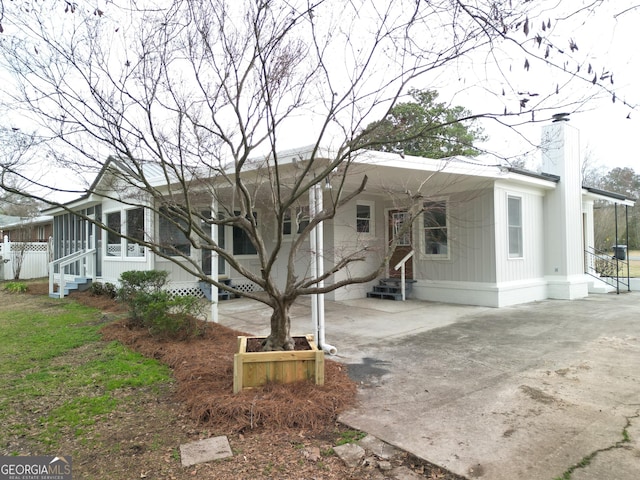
<point>492,235</point>
<point>26,229</point>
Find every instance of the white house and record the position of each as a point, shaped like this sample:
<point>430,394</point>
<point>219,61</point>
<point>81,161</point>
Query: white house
<point>490,235</point>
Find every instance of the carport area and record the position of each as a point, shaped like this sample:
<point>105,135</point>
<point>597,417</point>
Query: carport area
<point>524,392</point>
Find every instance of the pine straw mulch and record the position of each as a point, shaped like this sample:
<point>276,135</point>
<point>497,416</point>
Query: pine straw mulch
<point>278,431</point>
<point>203,368</point>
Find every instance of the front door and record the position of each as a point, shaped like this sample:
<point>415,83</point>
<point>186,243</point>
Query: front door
<point>396,220</point>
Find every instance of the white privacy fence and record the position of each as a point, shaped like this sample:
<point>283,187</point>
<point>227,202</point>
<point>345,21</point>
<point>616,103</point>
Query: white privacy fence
<point>26,259</point>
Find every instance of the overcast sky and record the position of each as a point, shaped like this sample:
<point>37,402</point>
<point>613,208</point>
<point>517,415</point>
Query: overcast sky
<point>608,40</point>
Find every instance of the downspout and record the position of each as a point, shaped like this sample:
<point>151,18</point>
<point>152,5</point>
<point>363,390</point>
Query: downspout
<point>319,234</point>
<point>313,266</point>
<point>214,263</point>
<point>615,250</point>
<point>626,221</point>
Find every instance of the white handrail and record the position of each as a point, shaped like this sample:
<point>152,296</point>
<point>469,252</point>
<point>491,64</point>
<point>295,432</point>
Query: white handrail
<point>400,265</point>
<point>80,255</point>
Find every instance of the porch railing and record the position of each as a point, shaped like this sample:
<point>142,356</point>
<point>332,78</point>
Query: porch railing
<point>605,267</point>
<point>401,265</point>
<point>83,260</point>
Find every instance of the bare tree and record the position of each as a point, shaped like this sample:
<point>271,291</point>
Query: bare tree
<point>20,244</point>
<point>193,103</point>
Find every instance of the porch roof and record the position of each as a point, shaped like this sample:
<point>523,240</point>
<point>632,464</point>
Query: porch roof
<point>598,194</point>
<point>386,171</point>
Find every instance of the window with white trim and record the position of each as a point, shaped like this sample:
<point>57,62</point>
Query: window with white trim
<point>436,228</point>
<point>114,241</point>
<point>173,240</point>
<point>365,224</point>
<point>514,214</point>
<point>129,222</point>
<point>295,223</point>
<point>135,229</point>
<point>241,242</point>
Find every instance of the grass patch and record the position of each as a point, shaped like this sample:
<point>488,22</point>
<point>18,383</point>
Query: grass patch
<point>350,436</point>
<point>57,376</point>
<point>15,287</point>
<point>29,336</point>
<point>634,265</point>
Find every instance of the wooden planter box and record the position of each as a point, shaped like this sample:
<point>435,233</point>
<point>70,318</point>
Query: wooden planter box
<point>252,369</point>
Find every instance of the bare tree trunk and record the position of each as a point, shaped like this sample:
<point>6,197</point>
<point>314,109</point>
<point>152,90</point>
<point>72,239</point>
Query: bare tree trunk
<point>18,258</point>
<point>280,337</point>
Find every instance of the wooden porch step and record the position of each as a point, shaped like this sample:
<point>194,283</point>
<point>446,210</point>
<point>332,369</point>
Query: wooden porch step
<point>390,288</point>
<point>205,288</point>
<point>79,284</point>
<point>385,295</point>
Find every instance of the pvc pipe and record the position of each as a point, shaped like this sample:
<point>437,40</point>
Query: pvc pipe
<point>214,262</point>
<point>319,234</point>
<point>313,265</point>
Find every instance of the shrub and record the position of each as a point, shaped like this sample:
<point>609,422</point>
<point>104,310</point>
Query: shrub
<point>110,290</point>
<point>96,288</point>
<point>15,287</point>
<point>135,287</point>
<point>176,317</point>
<point>103,289</point>
<point>155,309</point>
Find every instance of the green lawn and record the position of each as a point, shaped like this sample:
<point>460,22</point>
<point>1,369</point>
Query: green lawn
<point>634,265</point>
<point>57,378</point>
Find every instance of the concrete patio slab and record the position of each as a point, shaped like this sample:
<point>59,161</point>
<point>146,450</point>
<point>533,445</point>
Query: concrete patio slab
<point>523,392</point>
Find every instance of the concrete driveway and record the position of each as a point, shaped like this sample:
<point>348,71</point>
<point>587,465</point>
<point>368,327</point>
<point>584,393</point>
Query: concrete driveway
<point>525,392</point>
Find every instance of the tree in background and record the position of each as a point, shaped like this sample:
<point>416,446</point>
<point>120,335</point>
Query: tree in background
<point>625,181</point>
<point>425,128</point>
<point>15,149</point>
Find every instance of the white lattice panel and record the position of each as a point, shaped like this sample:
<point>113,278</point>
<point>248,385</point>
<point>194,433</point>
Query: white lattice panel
<point>184,290</point>
<point>29,247</point>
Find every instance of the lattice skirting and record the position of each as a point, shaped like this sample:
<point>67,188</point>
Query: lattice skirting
<point>183,289</point>
<point>246,287</point>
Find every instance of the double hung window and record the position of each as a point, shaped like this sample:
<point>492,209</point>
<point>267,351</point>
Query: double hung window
<point>436,228</point>
<point>365,218</point>
<point>514,212</point>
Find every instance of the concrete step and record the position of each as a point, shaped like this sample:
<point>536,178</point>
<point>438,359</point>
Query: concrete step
<point>385,295</point>
<point>387,289</point>
<point>600,286</point>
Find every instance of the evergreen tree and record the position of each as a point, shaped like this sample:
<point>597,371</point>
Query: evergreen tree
<point>425,128</point>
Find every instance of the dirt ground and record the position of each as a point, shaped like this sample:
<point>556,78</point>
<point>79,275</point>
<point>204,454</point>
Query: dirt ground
<point>276,432</point>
